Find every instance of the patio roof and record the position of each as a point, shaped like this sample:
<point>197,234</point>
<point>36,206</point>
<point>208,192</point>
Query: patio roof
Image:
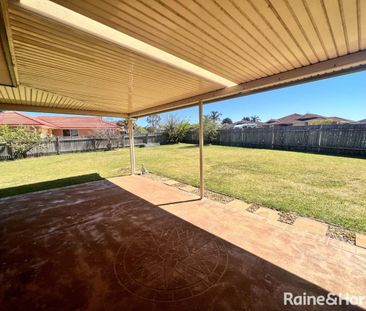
<point>254,44</point>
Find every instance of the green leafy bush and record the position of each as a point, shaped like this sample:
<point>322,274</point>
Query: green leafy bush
<point>20,139</point>
<point>210,129</point>
<point>175,129</point>
<point>139,130</point>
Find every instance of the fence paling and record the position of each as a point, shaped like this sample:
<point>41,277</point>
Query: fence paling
<point>81,144</point>
<point>347,139</point>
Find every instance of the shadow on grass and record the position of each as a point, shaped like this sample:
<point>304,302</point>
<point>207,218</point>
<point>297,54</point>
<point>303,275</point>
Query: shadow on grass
<point>50,184</point>
<point>190,146</point>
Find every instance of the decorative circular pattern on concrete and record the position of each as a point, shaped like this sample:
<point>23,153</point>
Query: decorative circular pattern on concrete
<point>171,265</point>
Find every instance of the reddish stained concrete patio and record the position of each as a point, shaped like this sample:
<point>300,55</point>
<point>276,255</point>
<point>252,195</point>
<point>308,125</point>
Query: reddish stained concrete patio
<point>131,243</point>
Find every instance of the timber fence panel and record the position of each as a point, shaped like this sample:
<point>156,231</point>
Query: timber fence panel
<point>342,139</point>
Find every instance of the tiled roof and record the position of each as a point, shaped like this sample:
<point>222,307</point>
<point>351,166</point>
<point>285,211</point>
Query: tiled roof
<point>298,119</point>
<point>289,119</point>
<point>17,118</point>
<point>78,122</point>
<point>308,116</point>
<point>338,119</point>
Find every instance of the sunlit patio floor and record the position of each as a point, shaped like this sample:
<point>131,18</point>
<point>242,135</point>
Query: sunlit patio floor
<point>131,243</point>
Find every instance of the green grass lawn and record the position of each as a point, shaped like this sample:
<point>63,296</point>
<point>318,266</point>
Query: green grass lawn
<point>328,188</point>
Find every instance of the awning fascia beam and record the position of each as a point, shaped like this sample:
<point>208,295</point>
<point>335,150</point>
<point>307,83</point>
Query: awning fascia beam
<point>20,107</point>
<point>7,44</point>
<point>337,66</point>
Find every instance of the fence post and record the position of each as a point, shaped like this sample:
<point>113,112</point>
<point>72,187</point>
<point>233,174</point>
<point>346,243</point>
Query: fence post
<point>272,137</point>
<point>320,137</point>
<point>123,140</point>
<point>94,144</point>
<point>57,145</point>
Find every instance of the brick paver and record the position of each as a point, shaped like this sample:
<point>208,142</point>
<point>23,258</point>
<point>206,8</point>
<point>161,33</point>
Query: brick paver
<point>361,240</point>
<point>310,226</point>
<point>170,182</point>
<point>188,188</point>
<point>268,213</point>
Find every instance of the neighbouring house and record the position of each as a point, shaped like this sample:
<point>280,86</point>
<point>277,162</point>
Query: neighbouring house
<point>296,119</point>
<point>61,126</point>
<point>242,124</point>
<point>245,125</point>
<point>362,121</point>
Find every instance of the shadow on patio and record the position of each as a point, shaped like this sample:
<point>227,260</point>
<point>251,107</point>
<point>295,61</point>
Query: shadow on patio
<point>97,246</point>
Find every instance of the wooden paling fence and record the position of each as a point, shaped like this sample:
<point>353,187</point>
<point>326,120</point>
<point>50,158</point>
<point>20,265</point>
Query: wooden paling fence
<point>342,139</point>
<point>82,144</point>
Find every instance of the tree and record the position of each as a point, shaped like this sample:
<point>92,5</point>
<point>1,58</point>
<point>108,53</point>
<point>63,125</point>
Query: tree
<point>210,129</point>
<point>20,139</point>
<point>214,115</point>
<point>255,119</point>
<point>106,134</point>
<point>154,122</point>
<point>227,121</point>
<point>246,119</point>
<point>140,130</point>
<point>123,123</point>
<point>175,129</point>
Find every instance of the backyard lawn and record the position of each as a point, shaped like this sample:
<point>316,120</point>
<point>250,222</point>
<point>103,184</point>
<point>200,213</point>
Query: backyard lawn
<point>328,188</point>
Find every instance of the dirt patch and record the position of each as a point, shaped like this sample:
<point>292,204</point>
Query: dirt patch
<point>287,218</point>
<point>341,234</point>
<point>214,196</point>
<point>124,171</point>
<point>253,208</point>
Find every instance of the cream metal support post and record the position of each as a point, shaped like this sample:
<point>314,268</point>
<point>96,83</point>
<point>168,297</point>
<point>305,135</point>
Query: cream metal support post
<point>132,145</point>
<point>201,142</point>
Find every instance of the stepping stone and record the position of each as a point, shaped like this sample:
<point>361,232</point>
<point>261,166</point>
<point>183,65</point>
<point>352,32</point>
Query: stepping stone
<point>267,213</point>
<point>361,240</point>
<point>170,182</point>
<point>238,205</point>
<point>310,226</point>
<point>188,188</point>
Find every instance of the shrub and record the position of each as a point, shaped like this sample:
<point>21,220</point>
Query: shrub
<point>139,130</point>
<point>210,129</point>
<point>20,139</point>
<point>175,129</point>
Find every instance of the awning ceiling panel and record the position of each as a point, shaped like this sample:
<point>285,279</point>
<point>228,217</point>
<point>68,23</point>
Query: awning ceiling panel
<point>257,44</point>
<point>101,75</point>
<point>240,40</point>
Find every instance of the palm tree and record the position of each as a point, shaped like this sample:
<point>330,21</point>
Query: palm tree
<point>215,115</point>
<point>255,119</point>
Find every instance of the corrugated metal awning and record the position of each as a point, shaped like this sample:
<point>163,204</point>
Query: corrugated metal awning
<point>256,44</point>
